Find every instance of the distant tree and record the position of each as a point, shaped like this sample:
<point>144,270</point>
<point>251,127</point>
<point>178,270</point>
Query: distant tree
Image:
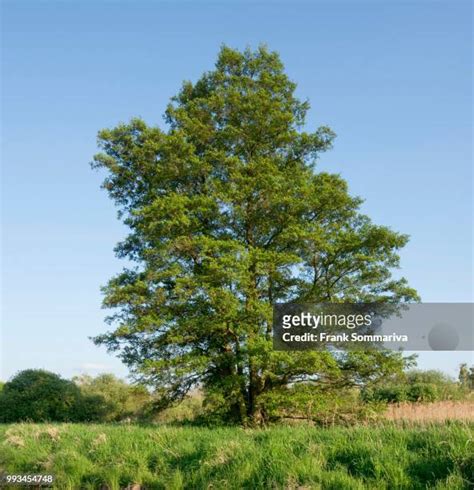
<point>415,386</point>
<point>466,376</point>
<point>389,393</point>
<point>423,392</point>
<point>38,396</point>
<point>108,398</point>
<point>2,384</point>
<point>91,408</point>
<point>228,217</point>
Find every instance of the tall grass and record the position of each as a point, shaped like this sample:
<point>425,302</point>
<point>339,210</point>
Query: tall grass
<point>117,456</point>
<point>431,412</point>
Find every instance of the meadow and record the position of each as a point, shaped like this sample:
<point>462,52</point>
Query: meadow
<point>389,455</point>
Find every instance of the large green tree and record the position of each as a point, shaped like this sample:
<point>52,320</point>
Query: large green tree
<point>228,216</point>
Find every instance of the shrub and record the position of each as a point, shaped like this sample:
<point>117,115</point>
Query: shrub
<point>319,407</point>
<point>430,376</point>
<point>108,398</point>
<point>190,409</point>
<point>415,386</point>
<point>38,396</point>
<point>91,408</point>
<point>423,392</point>
<point>389,394</point>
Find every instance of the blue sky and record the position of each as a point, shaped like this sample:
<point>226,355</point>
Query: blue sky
<point>392,78</point>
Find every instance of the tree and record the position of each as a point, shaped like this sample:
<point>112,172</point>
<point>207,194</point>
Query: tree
<point>108,398</point>
<point>430,376</point>
<point>414,386</point>
<point>38,396</point>
<point>466,376</point>
<point>227,216</point>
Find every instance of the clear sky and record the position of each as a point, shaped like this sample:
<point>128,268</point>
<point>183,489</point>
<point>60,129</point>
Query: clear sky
<point>392,78</point>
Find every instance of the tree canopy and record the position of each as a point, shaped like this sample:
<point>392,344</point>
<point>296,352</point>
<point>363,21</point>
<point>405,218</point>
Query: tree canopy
<point>108,398</point>
<point>36,395</point>
<point>228,216</point>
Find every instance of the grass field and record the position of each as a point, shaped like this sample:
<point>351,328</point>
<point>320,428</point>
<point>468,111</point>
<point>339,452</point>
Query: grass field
<point>119,456</point>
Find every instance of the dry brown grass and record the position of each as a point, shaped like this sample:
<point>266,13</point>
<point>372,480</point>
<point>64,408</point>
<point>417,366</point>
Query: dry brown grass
<point>431,412</point>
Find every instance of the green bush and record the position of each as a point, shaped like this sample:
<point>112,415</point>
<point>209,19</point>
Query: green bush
<point>431,376</point>
<point>190,409</point>
<point>38,396</point>
<point>415,386</point>
<point>306,402</point>
<point>107,398</point>
<point>423,392</point>
<point>389,394</point>
<point>91,408</point>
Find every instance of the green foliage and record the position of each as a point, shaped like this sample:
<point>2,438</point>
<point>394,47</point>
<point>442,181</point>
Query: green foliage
<point>91,408</point>
<point>320,406</point>
<point>415,386</point>
<point>189,410</point>
<point>466,377</point>
<point>41,396</point>
<point>108,398</point>
<point>228,216</point>
<point>424,392</point>
<point>390,394</point>
<point>38,396</point>
<point>119,456</point>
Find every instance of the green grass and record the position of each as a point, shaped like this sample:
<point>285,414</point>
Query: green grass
<point>114,456</point>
